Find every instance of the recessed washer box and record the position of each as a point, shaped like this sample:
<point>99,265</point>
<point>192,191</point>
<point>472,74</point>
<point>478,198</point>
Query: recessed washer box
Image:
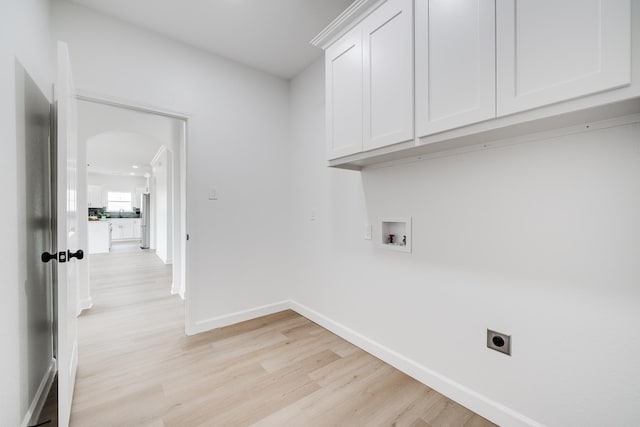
<point>395,234</point>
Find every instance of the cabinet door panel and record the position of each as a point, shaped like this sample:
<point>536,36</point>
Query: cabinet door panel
<point>550,51</point>
<point>343,66</point>
<point>388,74</point>
<point>455,63</point>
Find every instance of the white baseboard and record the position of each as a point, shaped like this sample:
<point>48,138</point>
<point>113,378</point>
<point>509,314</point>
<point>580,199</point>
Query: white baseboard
<point>471,399</point>
<point>175,288</point>
<point>41,395</point>
<point>165,260</point>
<point>480,404</point>
<point>237,317</point>
<point>85,304</point>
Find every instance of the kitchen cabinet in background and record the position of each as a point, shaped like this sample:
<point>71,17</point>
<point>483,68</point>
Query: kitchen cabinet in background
<point>94,196</point>
<point>99,237</point>
<point>125,228</point>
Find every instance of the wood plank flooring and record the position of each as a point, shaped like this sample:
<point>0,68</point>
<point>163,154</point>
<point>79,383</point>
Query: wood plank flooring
<point>137,368</point>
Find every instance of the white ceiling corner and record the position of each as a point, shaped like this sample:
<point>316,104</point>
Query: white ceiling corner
<point>270,35</point>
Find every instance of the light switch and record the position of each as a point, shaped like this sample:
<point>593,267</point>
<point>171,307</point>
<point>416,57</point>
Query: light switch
<point>367,231</point>
<point>213,193</point>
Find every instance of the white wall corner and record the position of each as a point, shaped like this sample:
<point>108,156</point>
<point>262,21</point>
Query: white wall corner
<point>41,395</point>
<point>237,317</point>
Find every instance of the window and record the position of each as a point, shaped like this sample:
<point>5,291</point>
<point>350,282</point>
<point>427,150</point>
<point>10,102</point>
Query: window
<point>117,201</point>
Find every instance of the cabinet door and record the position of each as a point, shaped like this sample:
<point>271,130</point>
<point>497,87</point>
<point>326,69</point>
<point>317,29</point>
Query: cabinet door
<point>387,50</point>
<point>136,229</point>
<point>117,230</point>
<point>550,51</point>
<point>455,63</point>
<point>94,196</point>
<point>343,75</point>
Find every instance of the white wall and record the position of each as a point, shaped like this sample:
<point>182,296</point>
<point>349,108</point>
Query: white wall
<point>24,35</point>
<point>118,183</point>
<point>538,240</point>
<point>162,200</point>
<point>238,140</point>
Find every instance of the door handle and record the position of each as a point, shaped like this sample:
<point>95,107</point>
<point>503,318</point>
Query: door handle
<point>46,256</point>
<point>60,257</point>
<point>77,254</point>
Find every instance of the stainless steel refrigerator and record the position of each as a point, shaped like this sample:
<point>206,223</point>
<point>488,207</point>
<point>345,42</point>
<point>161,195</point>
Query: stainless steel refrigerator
<point>145,228</point>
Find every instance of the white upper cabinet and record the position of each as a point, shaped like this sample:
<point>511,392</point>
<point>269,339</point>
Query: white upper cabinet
<point>410,75</point>
<point>94,196</point>
<point>550,51</point>
<point>387,49</point>
<point>343,75</point>
<point>455,63</point>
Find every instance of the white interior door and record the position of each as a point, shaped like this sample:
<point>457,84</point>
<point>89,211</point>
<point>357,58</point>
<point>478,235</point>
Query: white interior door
<point>67,235</point>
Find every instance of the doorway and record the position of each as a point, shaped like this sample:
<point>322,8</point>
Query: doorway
<point>134,155</point>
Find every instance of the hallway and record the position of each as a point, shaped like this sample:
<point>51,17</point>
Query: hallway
<point>132,323</point>
<point>137,367</point>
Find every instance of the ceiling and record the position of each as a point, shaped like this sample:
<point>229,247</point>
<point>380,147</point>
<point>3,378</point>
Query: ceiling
<point>116,153</point>
<point>270,35</point>
<point>118,138</point>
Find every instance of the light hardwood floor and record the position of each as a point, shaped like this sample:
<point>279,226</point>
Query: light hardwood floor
<point>137,368</point>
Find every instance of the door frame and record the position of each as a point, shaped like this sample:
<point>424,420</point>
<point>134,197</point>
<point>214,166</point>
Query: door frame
<point>183,164</point>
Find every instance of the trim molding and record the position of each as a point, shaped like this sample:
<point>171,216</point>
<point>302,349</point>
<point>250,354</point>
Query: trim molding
<point>237,317</point>
<point>41,395</point>
<point>101,98</point>
<point>352,15</point>
<point>159,153</point>
<point>477,402</point>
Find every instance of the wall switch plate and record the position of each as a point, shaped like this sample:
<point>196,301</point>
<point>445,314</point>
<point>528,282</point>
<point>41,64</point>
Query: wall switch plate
<point>499,342</point>
<point>213,193</point>
<point>367,231</point>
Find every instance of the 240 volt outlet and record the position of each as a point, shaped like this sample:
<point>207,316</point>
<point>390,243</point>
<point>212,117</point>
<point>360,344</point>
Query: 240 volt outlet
<point>499,342</point>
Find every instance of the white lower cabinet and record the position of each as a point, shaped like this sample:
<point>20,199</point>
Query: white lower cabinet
<point>455,63</point>
<point>137,233</point>
<point>556,50</point>
<point>99,241</point>
<point>125,228</point>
